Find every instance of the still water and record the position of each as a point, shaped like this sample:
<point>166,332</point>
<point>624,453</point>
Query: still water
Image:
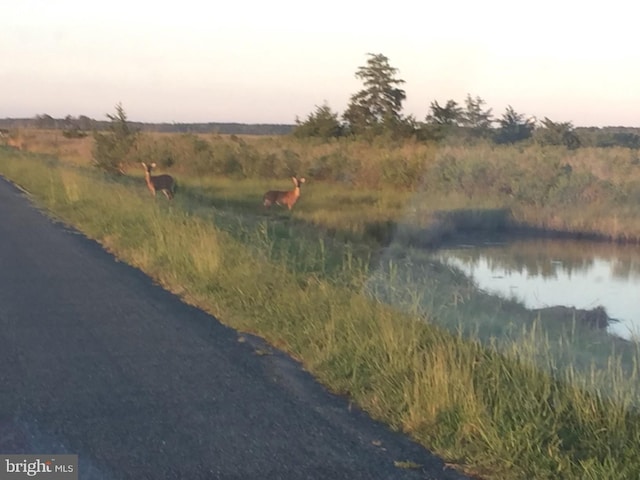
<point>546,273</point>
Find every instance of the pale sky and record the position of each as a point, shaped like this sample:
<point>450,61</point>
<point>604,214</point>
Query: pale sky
<point>272,61</point>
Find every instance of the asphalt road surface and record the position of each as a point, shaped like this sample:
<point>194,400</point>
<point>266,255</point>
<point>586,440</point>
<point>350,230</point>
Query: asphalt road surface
<point>98,361</point>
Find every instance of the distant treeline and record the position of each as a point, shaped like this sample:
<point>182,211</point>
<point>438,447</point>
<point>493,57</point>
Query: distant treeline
<point>609,136</point>
<point>587,136</point>
<point>86,124</point>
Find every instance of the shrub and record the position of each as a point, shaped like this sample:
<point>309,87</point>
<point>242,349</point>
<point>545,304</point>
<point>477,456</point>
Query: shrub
<point>112,148</point>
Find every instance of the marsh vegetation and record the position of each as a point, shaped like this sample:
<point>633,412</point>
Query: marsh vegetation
<point>344,282</point>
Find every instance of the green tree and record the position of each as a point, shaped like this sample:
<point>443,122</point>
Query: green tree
<point>378,107</point>
<point>475,117</point>
<point>553,133</point>
<point>112,147</point>
<point>627,139</point>
<point>45,121</point>
<point>85,123</point>
<point>441,122</point>
<point>323,123</point>
<point>514,127</point>
<point>449,115</point>
<point>71,128</point>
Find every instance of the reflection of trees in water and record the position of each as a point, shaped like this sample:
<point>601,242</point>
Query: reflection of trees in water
<point>548,258</point>
<point>556,337</point>
<point>626,269</point>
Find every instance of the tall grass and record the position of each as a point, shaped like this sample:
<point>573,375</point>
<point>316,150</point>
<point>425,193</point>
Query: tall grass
<point>349,315</point>
<point>591,191</point>
<point>550,188</point>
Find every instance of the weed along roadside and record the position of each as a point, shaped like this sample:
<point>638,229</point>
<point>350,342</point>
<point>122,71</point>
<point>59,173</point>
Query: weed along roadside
<point>371,323</point>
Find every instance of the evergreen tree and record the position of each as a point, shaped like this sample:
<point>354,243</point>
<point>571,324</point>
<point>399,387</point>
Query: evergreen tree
<point>378,107</point>
<point>475,118</point>
<point>553,133</point>
<point>112,147</point>
<point>322,123</point>
<point>449,115</point>
<point>514,127</point>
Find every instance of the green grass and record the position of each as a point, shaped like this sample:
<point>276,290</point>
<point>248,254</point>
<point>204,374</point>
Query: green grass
<point>396,332</point>
<point>365,191</point>
<point>544,188</point>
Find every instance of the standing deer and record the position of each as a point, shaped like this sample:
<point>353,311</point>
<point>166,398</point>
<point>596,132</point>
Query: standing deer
<point>165,183</point>
<point>15,142</point>
<point>287,199</point>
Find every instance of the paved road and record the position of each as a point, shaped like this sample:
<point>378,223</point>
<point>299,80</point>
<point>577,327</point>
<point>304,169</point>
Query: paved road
<point>98,361</point>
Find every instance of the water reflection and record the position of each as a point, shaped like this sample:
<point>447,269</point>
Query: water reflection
<point>546,273</point>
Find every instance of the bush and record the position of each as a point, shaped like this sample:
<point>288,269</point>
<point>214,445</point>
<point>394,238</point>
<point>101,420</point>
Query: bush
<point>112,148</point>
<point>74,133</point>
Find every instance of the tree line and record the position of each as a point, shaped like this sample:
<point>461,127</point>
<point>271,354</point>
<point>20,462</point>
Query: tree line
<point>377,110</point>
<point>81,125</point>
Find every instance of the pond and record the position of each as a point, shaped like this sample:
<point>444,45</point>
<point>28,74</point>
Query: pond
<point>545,273</point>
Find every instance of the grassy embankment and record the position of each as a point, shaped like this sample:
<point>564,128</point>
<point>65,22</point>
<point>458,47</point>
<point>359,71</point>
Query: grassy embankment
<point>369,323</point>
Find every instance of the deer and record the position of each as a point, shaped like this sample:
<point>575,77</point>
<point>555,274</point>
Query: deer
<point>15,142</point>
<point>288,198</point>
<point>165,183</point>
